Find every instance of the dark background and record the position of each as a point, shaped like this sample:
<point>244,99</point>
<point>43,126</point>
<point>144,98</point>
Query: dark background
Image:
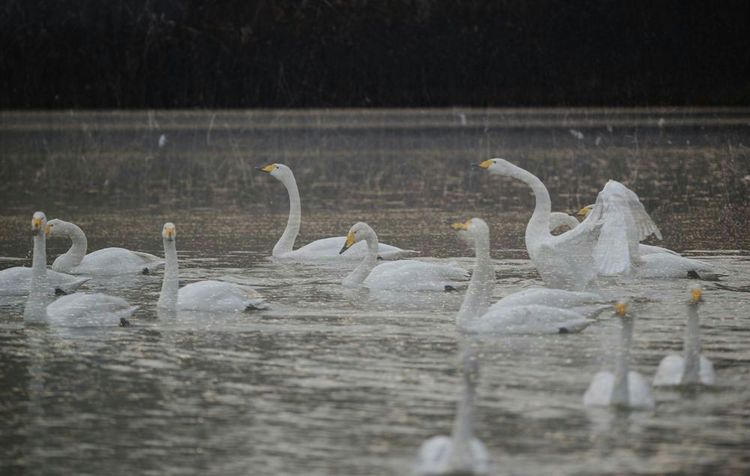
<point>381,53</point>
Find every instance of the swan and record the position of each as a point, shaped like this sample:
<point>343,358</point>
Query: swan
<point>624,387</point>
<point>619,251</point>
<point>691,368</point>
<point>107,261</point>
<point>563,261</point>
<point>532,311</point>
<point>403,275</point>
<point>204,296</point>
<point>74,309</point>
<point>462,452</point>
<point>325,248</point>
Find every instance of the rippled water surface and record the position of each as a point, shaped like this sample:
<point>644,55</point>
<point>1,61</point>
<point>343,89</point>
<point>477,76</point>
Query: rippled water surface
<point>330,381</point>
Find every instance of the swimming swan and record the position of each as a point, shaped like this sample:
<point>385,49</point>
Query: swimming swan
<point>462,452</point>
<point>79,309</point>
<point>204,296</point>
<point>624,387</point>
<point>619,251</point>
<point>107,261</point>
<point>325,248</point>
<point>16,281</point>
<point>403,275</point>
<point>532,311</point>
<point>564,261</point>
<point>691,368</point>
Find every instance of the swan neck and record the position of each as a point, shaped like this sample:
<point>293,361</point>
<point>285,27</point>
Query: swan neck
<point>620,390</point>
<point>478,295</point>
<point>171,283</point>
<point>363,269</point>
<point>286,242</point>
<point>540,219</point>
<point>40,292</point>
<point>463,425</point>
<point>78,246</point>
<point>692,349</point>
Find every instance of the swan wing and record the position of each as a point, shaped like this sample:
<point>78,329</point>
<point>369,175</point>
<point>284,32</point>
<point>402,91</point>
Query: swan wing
<point>666,265</point>
<point>571,254</point>
<point>218,296</point>
<point>639,391</point>
<point>669,371</point>
<point>706,372</point>
<point>434,456</point>
<point>599,393</point>
<point>16,281</point>
<point>617,198</point>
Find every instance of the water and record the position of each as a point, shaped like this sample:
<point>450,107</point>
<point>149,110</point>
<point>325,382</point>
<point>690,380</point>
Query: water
<point>330,381</point>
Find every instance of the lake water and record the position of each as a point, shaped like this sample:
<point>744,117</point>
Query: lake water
<point>333,382</point>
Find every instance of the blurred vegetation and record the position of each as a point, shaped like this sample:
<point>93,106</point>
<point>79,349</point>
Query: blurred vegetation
<point>385,53</point>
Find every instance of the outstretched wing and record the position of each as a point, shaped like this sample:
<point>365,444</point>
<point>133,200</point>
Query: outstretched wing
<point>624,223</point>
<point>574,247</point>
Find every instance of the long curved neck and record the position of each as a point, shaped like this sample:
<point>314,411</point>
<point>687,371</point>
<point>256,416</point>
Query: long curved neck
<point>360,273</point>
<point>478,295</point>
<point>286,242</point>
<point>620,389</point>
<point>40,293</point>
<point>170,285</point>
<point>463,426</point>
<point>539,222</point>
<point>77,251</point>
<point>692,350</point>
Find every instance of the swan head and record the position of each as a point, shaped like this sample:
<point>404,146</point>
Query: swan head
<point>54,227</point>
<point>358,232</point>
<point>38,222</point>
<point>471,229</point>
<point>169,232</point>
<point>621,308</point>
<point>277,171</point>
<point>583,212</point>
<point>497,166</point>
<point>696,293</point>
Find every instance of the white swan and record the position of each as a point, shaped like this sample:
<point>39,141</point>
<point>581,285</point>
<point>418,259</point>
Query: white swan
<point>619,251</point>
<point>325,248</point>
<point>563,261</point>
<point>107,261</point>
<point>625,387</point>
<point>204,296</point>
<point>403,275</point>
<point>532,311</point>
<point>462,452</point>
<point>691,368</point>
<point>78,309</point>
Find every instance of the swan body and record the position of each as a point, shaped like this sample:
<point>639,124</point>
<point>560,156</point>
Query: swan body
<point>691,368</point>
<point>327,248</point>
<point>623,387</point>
<point>16,281</point>
<point>563,261</point>
<point>89,309</point>
<point>462,452</point>
<point>668,265</point>
<point>533,311</point>
<point>403,275</point>
<point>204,296</point>
<point>72,310</point>
<point>104,262</point>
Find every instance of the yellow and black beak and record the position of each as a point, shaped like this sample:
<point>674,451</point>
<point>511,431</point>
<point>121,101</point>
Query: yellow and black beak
<point>169,233</point>
<point>348,243</point>
<point>621,308</point>
<point>461,226</point>
<point>268,168</point>
<point>36,224</point>
<point>484,165</point>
